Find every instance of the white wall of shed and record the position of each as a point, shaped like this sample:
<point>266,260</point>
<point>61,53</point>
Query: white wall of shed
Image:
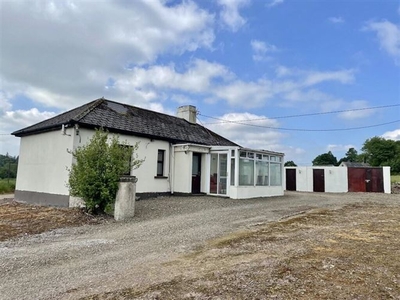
<point>335,179</point>
<point>43,162</point>
<point>387,186</point>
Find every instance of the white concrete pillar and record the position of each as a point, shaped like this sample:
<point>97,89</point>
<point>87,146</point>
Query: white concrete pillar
<point>125,201</point>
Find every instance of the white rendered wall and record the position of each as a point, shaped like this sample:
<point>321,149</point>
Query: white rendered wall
<point>244,192</point>
<point>43,162</point>
<point>302,180</point>
<point>183,172</point>
<point>335,179</point>
<point>386,180</point>
<point>146,173</point>
<point>205,173</point>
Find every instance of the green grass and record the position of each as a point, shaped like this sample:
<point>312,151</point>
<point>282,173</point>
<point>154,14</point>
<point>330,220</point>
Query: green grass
<point>7,186</point>
<point>394,178</point>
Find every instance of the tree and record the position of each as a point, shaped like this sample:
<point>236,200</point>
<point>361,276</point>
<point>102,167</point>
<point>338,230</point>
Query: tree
<point>290,163</point>
<point>98,166</point>
<point>351,156</point>
<point>381,152</point>
<point>8,166</point>
<point>325,159</point>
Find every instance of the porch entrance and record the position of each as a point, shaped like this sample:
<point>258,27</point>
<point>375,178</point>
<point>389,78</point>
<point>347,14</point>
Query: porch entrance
<point>218,173</point>
<point>196,173</point>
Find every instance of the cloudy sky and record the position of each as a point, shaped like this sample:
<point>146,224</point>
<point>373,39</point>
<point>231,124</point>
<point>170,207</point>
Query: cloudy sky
<point>251,67</point>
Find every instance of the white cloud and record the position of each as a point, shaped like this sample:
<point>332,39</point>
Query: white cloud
<point>336,20</point>
<point>230,15</point>
<point>275,2</point>
<point>315,77</point>
<point>197,78</point>
<point>245,94</point>
<point>312,77</point>
<point>14,120</point>
<point>261,49</point>
<point>72,48</point>
<point>249,136</point>
<point>388,35</point>
<point>357,114</point>
<point>339,148</point>
<point>392,135</point>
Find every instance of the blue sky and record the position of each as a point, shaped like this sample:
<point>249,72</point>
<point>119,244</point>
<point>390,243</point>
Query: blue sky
<point>239,61</point>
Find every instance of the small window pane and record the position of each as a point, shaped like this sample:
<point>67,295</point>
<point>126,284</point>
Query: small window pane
<point>259,156</point>
<point>262,173</point>
<point>232,153</point>
<point>242,154</point>
<point>276,177</point>
<point>160,162</point>
<point>250,155</point>
<point>265,157</point>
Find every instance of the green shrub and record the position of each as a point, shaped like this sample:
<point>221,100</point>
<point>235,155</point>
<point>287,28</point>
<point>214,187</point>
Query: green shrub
<point>7,186</point>
<point>98,166</point>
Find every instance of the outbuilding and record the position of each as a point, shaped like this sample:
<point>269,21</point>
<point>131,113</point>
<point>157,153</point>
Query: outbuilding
<point>342,179</point>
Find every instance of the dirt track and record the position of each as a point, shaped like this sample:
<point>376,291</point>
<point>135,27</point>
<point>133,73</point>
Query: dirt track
<point>76,262</point>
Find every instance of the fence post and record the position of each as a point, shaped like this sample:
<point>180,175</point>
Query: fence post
<point>125,200</point>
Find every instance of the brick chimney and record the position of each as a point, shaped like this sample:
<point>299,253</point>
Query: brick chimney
<point>187,112</point>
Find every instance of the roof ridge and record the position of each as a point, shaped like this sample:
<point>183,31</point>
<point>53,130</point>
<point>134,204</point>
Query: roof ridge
<point>91,107</point>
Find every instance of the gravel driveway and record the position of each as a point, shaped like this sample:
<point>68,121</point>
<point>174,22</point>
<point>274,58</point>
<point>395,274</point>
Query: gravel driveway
<point>74,262</point>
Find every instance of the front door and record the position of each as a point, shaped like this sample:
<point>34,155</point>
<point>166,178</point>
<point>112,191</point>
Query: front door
<point>290,179</point>
<point>218,173</point>
<point>318,180</point>
<point>196,173</point>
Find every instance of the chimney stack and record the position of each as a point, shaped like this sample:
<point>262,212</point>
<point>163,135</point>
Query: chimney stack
<point>187,112</point>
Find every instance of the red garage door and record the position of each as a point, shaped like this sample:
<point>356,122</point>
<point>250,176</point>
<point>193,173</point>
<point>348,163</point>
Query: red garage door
<point>365,180</point>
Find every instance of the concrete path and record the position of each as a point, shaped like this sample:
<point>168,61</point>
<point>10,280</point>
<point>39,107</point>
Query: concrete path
<point>6,196</point>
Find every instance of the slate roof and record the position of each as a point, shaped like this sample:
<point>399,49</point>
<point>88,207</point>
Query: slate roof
<point>127,119</point>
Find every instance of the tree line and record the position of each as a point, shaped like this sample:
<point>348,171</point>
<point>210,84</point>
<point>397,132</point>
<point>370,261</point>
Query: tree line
<point>376,152</point>
<point>8,166</point>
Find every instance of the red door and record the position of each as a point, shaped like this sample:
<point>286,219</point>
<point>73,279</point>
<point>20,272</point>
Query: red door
<point>356,179</point>
<point>374,181</point>
<point>319,180</point>
<point>291,179</point>
<point>365,180</point>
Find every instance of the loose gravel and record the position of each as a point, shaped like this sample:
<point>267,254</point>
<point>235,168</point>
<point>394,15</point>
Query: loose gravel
<point>74,262</point>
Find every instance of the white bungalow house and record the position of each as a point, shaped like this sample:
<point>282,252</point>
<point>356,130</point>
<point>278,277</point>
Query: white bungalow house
<point>181,156</point>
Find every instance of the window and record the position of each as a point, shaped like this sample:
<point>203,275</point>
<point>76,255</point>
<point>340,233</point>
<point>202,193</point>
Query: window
<point>246,172</point>
<point>255,169</point>
<point>160,162</point>
<point>262,172</point>
<point>276,177</point>
<point>232,171</point>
